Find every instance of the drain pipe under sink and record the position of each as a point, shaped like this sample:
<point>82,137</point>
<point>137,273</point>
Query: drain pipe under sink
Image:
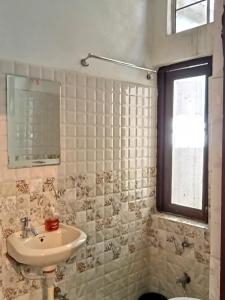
<point>50,291</point>
<point>50,277</point>
<point>48,274</point>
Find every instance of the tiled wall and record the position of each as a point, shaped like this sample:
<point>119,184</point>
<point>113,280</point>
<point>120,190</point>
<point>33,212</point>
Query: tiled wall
<point>106,186</point>
<point>178,246</point>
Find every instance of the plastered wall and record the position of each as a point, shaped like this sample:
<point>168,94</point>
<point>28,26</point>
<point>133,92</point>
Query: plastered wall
<point>166,48</point>
<point>60,34</point>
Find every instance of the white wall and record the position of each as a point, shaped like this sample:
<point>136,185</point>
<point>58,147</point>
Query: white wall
<point>59,33</point>
<point>215,154</point>
<point>168,49</point>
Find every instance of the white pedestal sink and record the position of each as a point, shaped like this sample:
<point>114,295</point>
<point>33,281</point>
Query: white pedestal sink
<point>47,248</point>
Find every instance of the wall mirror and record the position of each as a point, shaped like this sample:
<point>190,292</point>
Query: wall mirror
<point>33,122</point>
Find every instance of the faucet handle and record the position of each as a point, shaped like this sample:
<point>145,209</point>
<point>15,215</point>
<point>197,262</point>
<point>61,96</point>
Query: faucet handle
<point>25,221</point>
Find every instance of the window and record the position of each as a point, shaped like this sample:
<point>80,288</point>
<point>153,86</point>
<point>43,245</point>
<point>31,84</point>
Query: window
<point>189,14</point>
<point>182,179</point>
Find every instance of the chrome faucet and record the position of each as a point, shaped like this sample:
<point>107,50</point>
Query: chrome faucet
<point>184,280</point>
<point>27,228</point>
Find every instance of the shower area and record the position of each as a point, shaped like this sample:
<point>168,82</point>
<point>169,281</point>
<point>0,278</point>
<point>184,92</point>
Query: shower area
<point>106,181</point>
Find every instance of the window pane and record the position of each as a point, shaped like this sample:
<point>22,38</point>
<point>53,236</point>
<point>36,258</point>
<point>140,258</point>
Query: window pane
<point>211,17</point>
<point>182,3</point>
<point>188,141</point>
<point>192,16</point>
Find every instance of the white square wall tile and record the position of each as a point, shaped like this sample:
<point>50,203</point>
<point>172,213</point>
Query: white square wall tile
<point>34,71</point>
<point>104,155</point>
<point>47,73</point>
<point>60,76</point>
<point>81,80</point>
<point>80,92</point>
<point>109,85</point>
<point>7,67</point>
<point>70,78</point>
<point>21,69</point>
<point>91,83</point>
<point>100,84</point>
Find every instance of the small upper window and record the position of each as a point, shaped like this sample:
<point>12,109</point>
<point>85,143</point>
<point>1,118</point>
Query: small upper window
<point>189,14</point>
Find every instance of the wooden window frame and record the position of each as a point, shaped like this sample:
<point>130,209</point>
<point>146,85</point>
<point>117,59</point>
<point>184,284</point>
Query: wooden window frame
<point>166,76</point>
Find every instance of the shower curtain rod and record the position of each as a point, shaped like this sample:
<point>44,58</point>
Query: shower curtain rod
<point>84,63</point>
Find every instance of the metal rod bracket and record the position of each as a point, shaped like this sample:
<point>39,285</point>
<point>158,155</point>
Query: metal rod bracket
<point>149,71</point>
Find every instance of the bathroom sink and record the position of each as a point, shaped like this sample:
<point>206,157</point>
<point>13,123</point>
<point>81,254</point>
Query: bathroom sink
<point>183,298</point>
<point>46,248</point>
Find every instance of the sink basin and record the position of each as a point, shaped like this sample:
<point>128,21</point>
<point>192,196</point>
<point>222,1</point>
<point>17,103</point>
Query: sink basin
<point>184,298</point>
<point>46,248</point>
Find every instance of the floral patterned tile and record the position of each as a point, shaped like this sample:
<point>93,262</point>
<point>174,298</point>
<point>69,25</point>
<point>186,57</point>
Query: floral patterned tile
<point>114,205</point>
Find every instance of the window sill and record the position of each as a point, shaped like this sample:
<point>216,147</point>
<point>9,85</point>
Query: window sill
<point>193,30</point>
<point>182,220</point>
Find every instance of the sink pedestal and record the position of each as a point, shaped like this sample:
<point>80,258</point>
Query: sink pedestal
<point>50,277</point>
<point>49,269</point>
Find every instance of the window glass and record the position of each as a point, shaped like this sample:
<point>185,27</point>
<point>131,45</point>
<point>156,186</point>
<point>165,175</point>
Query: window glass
<point>182,157</point>
<point>182,3</point>
<point>212,4</point>
<point>188,141</point>
<point>192,16</point>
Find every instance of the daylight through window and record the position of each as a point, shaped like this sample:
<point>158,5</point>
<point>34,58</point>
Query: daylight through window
<point>192,13</point>
<point>182,168</point>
